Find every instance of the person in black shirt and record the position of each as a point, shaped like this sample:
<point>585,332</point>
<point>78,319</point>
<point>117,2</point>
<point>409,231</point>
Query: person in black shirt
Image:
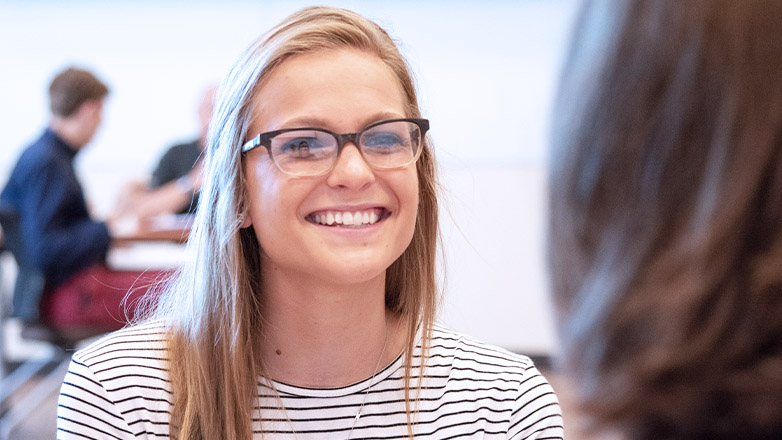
<point>175,183</point>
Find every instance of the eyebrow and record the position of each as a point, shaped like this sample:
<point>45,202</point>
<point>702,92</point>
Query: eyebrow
<point>309,121</point>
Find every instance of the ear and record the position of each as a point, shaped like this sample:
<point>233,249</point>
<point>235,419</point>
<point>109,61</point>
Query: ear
<point>245,216</point>
<point>89,107</point>
<point>246,221</point>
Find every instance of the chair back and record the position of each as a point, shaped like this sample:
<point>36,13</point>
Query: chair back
<point>30,280</point>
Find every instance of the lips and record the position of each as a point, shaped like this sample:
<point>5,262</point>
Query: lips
<point>349,218</point>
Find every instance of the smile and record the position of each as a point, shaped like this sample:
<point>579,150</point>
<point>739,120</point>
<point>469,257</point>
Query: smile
<point>354,219</point>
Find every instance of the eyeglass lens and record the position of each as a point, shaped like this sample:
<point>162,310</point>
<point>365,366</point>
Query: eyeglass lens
<point>310,151</point>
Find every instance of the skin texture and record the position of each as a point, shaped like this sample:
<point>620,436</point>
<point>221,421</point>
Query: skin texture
<point>324,286</point>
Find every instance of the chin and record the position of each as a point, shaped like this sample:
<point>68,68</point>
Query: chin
<point>352,275</point>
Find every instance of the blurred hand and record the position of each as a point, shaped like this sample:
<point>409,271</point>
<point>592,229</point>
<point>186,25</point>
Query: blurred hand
<point>129,197</point>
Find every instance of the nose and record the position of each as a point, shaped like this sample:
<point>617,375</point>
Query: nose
<point>351,170</point>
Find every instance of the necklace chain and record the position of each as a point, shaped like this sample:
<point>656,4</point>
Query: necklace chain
<point>363,400</point>
<point>371,382</point>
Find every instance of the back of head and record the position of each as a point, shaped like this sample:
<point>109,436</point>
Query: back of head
<point>71,88</point>
<point>666,217</point>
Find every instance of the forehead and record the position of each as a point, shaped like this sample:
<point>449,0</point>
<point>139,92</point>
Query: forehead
<point>339,87</point>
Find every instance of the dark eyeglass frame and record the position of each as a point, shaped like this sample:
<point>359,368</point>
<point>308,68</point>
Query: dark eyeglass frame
<point>265,140</point>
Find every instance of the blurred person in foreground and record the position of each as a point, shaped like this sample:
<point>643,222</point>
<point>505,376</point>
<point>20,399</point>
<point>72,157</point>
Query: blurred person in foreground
<point>63,241</point>
<point>666,219</point>
<point>176,181</point>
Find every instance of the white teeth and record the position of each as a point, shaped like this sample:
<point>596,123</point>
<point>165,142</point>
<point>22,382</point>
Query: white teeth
<point>347,218</point>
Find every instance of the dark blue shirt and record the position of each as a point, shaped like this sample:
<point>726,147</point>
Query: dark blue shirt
<point>57,229</point>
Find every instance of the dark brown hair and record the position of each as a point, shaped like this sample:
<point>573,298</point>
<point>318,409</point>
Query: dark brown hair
<point>71,88</point>
<point>665,244</point>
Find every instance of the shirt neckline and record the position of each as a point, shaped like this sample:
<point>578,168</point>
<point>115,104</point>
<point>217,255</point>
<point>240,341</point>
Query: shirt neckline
<point>289,390</point>
<point>61,144</point>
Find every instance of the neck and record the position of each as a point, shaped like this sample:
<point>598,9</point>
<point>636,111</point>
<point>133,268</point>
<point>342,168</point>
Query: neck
<point>67,131</point>
<point>327,336</point>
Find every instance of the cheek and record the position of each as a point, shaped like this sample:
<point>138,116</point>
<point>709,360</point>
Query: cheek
<point>407,191</point>
<point>264,210</point>
<point>263,191</point>
<point>409,204</point>
<point>412,185</point>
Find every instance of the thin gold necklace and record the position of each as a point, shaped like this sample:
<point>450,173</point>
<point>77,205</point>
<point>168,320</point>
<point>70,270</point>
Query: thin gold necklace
<point>363,400</point>
<point>371,382</point>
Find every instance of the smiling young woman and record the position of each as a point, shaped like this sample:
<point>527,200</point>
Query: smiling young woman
<point>309,309</point>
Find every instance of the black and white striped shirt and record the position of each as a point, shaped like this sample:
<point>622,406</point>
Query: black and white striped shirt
<point>118,388</point>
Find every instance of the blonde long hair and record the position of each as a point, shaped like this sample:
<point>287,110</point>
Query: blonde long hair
<point>212,310</point>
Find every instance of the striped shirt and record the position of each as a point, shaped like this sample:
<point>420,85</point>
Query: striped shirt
<point>118,388</point>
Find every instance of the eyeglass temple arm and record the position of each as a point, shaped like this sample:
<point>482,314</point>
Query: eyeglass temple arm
<point>252,143</point>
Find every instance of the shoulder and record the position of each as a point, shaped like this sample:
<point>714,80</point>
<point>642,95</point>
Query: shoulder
<point>178,160</point>
<point>142,341</point>
<point>490,358</point>
<point>128,361</point>
<point>37,156</point>
<point>118,385</point>
<point>482,376</point>
<point>186,149</point>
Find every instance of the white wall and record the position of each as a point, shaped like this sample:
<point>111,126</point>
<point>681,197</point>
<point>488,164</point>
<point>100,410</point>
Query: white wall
<point>486,75</point>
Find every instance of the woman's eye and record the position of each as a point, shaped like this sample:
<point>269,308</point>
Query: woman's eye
<point>382,140</point>
<point>385,143</point>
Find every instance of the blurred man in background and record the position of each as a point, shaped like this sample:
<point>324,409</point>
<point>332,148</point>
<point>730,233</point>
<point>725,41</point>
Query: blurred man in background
<point>60,238</point>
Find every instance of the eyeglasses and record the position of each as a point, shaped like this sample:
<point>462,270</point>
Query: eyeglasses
<point>310,151</point>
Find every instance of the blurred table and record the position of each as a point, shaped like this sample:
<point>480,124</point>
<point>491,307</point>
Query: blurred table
<point>157,243</point>
<point>175,228</point>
